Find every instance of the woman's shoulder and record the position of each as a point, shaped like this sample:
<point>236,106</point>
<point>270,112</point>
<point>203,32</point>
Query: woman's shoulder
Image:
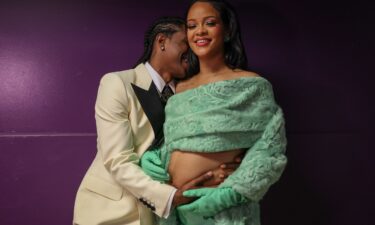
<point>257,81</point>
<point>253,77</point>
<point>197,81</point>
<point>185,85</point>
<point>244,73</point>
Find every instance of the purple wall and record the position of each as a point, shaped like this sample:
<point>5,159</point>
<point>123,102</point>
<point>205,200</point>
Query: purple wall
<point>316,54</point>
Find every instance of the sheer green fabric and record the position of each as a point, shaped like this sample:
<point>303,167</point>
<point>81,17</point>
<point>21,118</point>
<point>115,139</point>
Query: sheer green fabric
<point>225,115</point>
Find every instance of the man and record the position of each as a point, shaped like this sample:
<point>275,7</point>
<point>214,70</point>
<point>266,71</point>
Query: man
<point>129,115</point>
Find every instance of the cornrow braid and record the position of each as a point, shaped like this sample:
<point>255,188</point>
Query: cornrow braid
<point>164,25</point>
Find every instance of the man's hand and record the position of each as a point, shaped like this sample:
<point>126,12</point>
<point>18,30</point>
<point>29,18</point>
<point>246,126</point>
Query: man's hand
<point>179,199</point>
<point>222,172</point>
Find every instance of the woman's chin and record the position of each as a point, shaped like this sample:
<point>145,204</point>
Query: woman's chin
<point>202,54</point>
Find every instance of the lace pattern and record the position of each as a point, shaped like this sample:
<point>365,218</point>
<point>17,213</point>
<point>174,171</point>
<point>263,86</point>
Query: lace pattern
<point>232,114</point>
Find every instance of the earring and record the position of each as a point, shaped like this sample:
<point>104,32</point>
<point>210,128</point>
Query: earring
<point>226,38</point>
<point>162,48</point>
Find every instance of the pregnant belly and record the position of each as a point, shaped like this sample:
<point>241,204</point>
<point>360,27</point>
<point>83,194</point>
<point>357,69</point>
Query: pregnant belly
<point>185,166</point>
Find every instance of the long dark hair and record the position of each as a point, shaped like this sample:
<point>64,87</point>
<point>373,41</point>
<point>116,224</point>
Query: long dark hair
<point>234,51</point>
<point>164,25</point>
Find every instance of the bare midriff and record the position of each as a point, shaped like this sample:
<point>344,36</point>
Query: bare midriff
<point>185,166</point>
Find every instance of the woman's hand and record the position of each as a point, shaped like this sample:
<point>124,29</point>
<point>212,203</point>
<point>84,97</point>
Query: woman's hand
<point>151,164</point>
<point>211,201</point>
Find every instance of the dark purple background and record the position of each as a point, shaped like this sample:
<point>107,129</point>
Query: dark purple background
<point>319,55</point>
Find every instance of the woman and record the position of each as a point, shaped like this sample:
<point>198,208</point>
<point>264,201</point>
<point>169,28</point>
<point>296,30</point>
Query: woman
<point>221,112</point>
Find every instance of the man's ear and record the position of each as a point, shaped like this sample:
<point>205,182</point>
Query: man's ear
<point>160,41</point>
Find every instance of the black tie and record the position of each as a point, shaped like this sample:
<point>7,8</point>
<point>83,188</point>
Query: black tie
<point>166,93</point>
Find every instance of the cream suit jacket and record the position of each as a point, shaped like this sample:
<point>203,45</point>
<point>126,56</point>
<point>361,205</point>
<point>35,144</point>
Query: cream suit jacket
<point>115,190</point>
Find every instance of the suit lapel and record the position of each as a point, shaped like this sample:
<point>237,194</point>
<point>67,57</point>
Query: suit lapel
<point>150,101</point>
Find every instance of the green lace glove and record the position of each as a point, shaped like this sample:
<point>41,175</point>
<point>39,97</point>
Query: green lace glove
<point>152,166</point>
<point>211,201</point>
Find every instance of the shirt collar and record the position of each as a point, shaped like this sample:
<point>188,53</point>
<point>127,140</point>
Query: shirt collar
<point>158,80</point>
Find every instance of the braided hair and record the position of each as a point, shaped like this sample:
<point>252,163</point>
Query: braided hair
<point>165,25</point>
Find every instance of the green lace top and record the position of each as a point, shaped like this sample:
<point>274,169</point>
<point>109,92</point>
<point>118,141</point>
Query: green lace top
<point>231,114</point>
